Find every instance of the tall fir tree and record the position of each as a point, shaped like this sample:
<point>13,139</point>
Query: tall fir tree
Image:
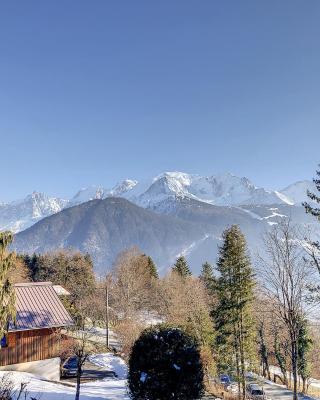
<point>281,352</point>
<point>233,317</point>
<point>304,347</point>
<point>207,277</point>
<point>7,297</point>
<point>152,266</point>
<point>314,248</point>
<point>315,211</point>
<point>181,267</point>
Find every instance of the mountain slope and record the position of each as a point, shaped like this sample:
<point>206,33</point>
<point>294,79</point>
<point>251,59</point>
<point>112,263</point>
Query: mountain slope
<point>103,228</point>
<point>297,192</point>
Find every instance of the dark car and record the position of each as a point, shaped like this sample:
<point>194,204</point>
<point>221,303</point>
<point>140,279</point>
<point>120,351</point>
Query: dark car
<point>225,380</point>
<point>255,392</point>
<point>69,367</point>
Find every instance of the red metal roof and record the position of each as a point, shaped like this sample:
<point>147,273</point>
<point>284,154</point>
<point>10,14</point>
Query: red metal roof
<point>38,306</point>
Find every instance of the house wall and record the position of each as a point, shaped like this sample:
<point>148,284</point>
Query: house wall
<point>48,369</point>
<point>28,346</point>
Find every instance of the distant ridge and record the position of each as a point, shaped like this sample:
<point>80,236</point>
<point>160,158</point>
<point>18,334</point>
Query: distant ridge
<point>181,226</point>
<point>103,228</point>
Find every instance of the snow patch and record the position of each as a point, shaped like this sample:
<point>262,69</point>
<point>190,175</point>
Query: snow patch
<point>111,363</point>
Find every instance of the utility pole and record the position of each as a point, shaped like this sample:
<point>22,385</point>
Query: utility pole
<point>107,312</point>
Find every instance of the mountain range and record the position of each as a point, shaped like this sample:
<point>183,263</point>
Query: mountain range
<point>221,190</point>
<point>172,214</point>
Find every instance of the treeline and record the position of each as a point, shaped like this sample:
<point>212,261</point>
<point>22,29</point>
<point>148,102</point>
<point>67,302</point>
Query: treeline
<point>70,269</point>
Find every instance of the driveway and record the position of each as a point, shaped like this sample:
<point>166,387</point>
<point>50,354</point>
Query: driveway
<point>91,372</point>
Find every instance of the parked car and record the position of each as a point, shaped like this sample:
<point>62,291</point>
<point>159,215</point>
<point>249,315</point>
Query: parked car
<point>255,392</point>
<point>225,380</point>
<point>69,367</point>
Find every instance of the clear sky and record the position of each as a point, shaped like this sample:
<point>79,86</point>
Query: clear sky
<point>92,92</point>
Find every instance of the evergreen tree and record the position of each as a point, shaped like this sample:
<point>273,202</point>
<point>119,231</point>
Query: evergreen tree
<point>304,346</point>
<point>315,211</point>
<point>207,277</point>
<point>33,263</point>
<point>181,267</point>
<point>263,350</point>
<point>233,322</point>
<point>282,354</point>
<point>7,297</point>
<point>71,269</point>
<point>152,266</point>
<point>165,363</point>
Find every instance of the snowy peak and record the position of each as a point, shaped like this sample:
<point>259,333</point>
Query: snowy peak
<point>297,192</point>
<point>89,193</point>
<point>223,189</point>
<point>99,192</point>
<point>159,194</point>
<point>122,187</point>
<point>42,205</point>
<point>21,214</point>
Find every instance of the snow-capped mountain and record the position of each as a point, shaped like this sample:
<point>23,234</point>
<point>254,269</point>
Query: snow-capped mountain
<point>21,214</point>
<point>87,194</point>
<point>220,190</point>
<point>159,194</point>
<point>224,189</point>
<point>173,213</point>
<point>122,188</point>
<point>297,192</point>
<point>103,228</point>
<point>99,192</point>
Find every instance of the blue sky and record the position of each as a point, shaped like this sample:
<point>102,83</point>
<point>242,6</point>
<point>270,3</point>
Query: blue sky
<point>92,92</point>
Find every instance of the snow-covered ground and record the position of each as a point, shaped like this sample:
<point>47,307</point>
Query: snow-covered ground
<point>111,363</point>
<point>106,389</point>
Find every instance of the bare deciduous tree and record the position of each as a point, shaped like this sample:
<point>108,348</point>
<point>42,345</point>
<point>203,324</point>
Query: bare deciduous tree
<point>81,342</point>
<point>133,289</point>
<point>285,275</point>
<point>133,284</point>
<point>183,301</point>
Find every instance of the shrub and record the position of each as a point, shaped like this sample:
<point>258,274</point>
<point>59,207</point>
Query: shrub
<point>165,364</point>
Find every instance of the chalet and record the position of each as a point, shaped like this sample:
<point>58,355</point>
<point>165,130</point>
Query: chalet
<point>32,342</point>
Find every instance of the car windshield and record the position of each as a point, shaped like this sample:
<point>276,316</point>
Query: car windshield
<point>257,392</point>
<point>71,363</point>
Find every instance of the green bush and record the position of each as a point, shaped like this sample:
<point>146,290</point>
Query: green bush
<point>165,364</point>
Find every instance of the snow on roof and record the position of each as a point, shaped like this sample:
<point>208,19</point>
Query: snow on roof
<point>61,291</point>
<point>38,306</point>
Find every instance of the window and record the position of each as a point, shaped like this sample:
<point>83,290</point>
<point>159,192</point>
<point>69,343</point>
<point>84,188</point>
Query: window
<point>257,392</point>
<point>4,341</point>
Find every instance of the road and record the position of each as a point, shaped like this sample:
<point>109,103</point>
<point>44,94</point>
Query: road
<point>274,391</point>
<point>277,392</point>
